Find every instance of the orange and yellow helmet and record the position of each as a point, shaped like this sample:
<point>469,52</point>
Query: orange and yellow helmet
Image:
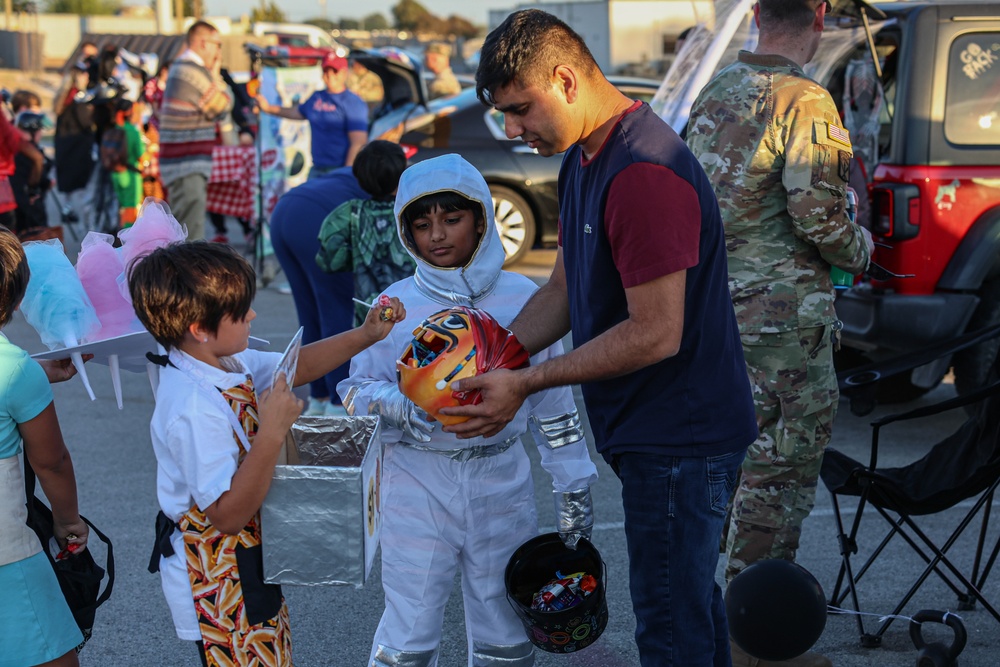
<point>450,345</point>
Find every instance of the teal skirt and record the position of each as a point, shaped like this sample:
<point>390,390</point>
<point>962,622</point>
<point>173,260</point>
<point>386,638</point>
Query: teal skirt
<point>34,611</point>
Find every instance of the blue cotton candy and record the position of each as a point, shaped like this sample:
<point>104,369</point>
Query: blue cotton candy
<point>55,303</point>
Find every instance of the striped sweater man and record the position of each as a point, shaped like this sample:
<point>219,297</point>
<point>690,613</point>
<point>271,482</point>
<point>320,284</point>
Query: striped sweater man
<point>194,99</point>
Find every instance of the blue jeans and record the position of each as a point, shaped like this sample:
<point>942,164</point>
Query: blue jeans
<point>675,508</point>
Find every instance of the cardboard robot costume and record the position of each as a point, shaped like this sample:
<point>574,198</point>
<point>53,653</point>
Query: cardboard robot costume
<point>451,503</point>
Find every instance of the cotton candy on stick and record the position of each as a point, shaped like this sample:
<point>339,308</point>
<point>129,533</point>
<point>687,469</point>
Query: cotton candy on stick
<point>56,304</point>
<point>99,265</point>
<point>154,228</point>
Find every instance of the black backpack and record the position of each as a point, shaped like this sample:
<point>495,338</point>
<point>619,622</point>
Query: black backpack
<point>114,149</point>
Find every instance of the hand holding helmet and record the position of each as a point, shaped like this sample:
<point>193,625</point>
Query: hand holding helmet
<point>450,345</point>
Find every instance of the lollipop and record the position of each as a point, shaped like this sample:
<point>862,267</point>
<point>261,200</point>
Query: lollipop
<point>56,304</point>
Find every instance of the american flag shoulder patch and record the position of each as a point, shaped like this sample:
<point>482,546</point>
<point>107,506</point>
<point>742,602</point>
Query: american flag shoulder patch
<point>838,134</point>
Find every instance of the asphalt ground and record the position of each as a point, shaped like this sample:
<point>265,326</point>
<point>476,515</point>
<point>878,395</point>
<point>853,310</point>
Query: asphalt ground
<point>333,626</point>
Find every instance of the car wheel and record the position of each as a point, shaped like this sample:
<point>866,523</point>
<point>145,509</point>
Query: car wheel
<point>515,223</point>
<point>978,365</point>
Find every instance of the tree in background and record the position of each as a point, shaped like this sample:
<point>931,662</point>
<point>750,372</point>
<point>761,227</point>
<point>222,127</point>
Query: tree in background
<point>83,7</point>
<point>376,21</point>
<point>267,12</point>
<point>322,23</point>
<point>349,24</point>
<point>461,27</point>
<point>410,14</point>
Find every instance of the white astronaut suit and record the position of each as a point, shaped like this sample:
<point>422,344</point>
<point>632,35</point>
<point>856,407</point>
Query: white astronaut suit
<point>461,504</point>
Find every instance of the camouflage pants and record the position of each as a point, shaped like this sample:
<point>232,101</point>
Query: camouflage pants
<point>795,399</point>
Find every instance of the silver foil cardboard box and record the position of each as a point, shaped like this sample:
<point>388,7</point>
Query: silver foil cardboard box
<point>321,518</point>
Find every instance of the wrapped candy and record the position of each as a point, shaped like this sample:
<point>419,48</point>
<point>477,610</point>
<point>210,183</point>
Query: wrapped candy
<point>56,304</point>
<point>564,592</point>
<point>450,345</point>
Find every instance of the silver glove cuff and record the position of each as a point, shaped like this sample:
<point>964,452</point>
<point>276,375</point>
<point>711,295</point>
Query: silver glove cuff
<point>560,430</point>
<point>397,411</point>
<point>574,512</point>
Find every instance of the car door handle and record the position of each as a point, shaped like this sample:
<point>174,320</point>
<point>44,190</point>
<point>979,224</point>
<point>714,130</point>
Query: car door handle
<point>524,148</point>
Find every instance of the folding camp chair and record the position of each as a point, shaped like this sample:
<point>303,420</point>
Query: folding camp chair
<point>965,465</point>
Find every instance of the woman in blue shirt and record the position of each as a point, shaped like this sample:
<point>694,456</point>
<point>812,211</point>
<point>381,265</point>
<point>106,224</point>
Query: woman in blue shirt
<point>338,119</point>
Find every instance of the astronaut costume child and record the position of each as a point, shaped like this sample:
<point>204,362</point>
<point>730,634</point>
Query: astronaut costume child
<point>460,504</point>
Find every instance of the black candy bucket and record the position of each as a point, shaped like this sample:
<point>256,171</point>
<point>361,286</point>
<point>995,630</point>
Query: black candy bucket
<point>532,566</point>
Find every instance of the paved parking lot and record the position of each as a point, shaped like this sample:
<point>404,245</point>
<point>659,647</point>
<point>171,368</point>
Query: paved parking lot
<point>333,626</point>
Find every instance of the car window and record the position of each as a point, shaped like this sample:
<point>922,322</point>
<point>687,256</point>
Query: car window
<point>972,98</point>
<point>636,93</point>
<point>289,40</point>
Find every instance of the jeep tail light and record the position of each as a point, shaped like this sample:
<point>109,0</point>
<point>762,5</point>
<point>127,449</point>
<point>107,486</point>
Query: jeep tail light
<point>881,213</point>
<point>895,211</point>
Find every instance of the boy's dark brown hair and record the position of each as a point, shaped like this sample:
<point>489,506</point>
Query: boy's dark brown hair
<point>24,99</point>
<point>14,274</point>
<point>187,283</point>
<point>447,200</point>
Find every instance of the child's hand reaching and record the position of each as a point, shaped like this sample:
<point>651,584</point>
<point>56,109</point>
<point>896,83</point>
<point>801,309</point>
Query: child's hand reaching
<point>382,317</point>
<point>278,410</point>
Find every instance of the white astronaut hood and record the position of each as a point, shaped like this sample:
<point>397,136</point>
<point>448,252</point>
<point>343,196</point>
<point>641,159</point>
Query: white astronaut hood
<point>462,286</point>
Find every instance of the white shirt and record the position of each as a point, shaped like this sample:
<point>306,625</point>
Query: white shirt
<point>196,455</point>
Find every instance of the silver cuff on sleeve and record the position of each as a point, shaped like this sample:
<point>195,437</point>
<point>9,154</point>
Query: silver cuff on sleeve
<point>560,430</point>
<point>500,655</point>
<point>399,412</point>
<point>386,656</point>
<point>574,515</point>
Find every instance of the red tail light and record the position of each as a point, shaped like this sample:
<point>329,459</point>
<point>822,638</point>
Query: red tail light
<point>408,150</point>
<point>895,211</point>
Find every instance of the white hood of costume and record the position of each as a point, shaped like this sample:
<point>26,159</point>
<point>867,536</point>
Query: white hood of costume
<point>463,286</point>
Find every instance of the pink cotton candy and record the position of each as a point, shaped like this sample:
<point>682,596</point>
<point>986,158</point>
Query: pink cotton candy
<point>99,266</point>
<point>154,228</point>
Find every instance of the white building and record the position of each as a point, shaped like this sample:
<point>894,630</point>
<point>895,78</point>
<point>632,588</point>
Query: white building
<point>623,32</point>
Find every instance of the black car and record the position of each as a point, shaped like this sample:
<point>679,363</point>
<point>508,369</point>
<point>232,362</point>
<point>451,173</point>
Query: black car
<point>522,182</point>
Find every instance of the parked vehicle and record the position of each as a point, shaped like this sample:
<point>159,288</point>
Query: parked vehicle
<point>298,44</point>
<point>935,185</point>
<point>522,182</point>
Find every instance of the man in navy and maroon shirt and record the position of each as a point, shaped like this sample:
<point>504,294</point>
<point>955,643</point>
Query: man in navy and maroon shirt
<point>640,279</point>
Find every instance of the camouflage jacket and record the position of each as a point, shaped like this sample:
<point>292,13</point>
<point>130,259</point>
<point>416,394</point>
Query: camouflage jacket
<point>772,144</point>
<point>360,236</point>
<point>443,85</point>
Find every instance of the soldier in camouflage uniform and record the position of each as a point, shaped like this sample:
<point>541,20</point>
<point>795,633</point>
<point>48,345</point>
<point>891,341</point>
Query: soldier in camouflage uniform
<point>771,142</point>
<point>437,60</point>
<point>366,84</point>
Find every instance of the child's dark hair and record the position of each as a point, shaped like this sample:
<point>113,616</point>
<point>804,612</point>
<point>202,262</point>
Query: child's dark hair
<point>378,167</point>
<point>14,274</point>
<point>187,283</point>
<point>24,99</point>
<point>447,200</point>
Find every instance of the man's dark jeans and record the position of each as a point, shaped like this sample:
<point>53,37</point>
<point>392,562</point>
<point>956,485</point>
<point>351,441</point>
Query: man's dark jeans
<point>675,508</point>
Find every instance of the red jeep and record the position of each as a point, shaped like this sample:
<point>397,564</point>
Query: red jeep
<point>934,181</point>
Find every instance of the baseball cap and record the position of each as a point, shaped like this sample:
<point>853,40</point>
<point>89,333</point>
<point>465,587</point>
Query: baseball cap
<point>334,62</point>
<point>441,48</point>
